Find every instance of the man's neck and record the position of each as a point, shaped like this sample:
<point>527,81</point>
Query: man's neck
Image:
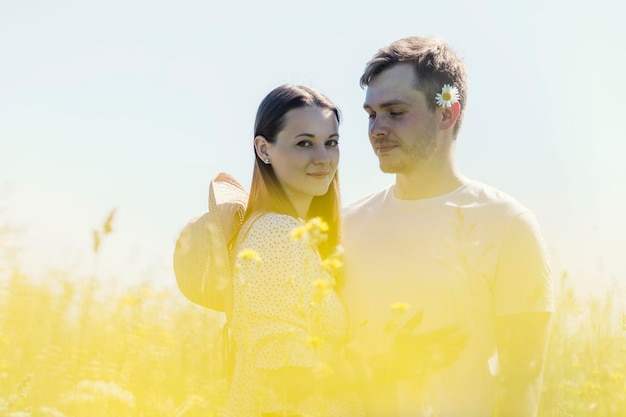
<point>428,182</point>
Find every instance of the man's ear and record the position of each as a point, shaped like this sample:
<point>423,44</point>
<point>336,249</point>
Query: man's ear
<point>261,146</point>
<point>450,115</point>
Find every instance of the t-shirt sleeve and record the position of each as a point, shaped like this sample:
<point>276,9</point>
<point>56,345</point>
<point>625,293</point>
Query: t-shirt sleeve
<point>271,292</point>
<point>523,282</point>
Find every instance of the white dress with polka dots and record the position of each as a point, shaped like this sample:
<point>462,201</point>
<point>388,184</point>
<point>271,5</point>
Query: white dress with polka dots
<point>286,314</point>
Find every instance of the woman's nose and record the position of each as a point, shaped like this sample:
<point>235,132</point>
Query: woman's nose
<point>321,155</point>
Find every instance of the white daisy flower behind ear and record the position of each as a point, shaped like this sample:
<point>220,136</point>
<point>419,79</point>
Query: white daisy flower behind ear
<point>448,96</point>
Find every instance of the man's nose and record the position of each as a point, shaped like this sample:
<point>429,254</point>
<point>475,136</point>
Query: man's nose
<point>378,127</point>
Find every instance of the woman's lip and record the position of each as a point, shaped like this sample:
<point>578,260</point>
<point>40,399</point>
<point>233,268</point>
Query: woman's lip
<point>318,174</point>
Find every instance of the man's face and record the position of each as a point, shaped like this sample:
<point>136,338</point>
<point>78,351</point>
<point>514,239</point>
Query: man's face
<point>402,128</point>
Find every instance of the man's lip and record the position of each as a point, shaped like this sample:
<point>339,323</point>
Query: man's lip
<point>384,148</point>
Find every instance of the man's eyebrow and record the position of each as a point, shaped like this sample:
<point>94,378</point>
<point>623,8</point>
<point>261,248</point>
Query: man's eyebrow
<point>386,104</point>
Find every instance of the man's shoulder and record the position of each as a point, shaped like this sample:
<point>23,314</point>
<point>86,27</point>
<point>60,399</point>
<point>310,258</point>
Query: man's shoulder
<point>492,198</point>
<point>365,204</point>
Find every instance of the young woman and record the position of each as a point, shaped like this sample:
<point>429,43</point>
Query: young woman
<point>288,324</point>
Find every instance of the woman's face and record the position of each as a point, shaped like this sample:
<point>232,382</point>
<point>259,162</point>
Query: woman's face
<point>305,154</point>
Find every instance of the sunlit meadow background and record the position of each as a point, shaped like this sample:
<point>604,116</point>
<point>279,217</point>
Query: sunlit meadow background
<point>130,107</point>
<point>73,347</point>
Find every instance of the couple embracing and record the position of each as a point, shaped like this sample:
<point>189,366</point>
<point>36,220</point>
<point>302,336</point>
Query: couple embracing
<point>439,302</point>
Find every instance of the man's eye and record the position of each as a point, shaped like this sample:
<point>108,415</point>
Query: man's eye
<point>396,113</point>
<point>371,116</point>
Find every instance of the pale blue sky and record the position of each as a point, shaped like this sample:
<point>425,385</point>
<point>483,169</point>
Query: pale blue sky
<point>135,105</point>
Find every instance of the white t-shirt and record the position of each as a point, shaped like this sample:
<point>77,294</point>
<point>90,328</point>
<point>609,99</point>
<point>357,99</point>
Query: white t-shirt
<point>463,258</point>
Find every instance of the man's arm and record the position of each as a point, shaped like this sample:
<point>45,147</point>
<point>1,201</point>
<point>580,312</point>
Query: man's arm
<point>522,341</point>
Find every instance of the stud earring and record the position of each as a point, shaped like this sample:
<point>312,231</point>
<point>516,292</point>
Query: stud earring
<point>266,160</point>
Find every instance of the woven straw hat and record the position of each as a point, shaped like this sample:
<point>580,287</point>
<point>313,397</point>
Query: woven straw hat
<point>227,203</point>
<point>201,258</point>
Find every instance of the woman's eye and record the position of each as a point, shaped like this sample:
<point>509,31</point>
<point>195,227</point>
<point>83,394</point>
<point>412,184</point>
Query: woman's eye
<point>304,143</point>
<point>333,143</point>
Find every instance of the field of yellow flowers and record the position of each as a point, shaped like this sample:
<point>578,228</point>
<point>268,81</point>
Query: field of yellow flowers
<point>72,350</point>
<point>76,348</point>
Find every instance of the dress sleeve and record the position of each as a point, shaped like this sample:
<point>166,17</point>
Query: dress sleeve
<point>273,285</point>
<point>523,282</point>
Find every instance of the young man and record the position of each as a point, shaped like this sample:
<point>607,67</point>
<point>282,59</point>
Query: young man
<point>436,242</point>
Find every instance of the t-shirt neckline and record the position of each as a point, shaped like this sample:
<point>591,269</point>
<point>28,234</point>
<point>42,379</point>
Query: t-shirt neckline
<point>391,198</point>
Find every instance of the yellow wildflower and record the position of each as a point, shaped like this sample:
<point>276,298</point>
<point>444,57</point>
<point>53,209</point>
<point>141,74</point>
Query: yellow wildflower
<point>249,255</point>
<point>316,223</point>
<point>322,289</point>
<point>332,264</point>
<point>400,307</point>
<point>299,232</point>
<point>313,231</point>
<point>315,342</point>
